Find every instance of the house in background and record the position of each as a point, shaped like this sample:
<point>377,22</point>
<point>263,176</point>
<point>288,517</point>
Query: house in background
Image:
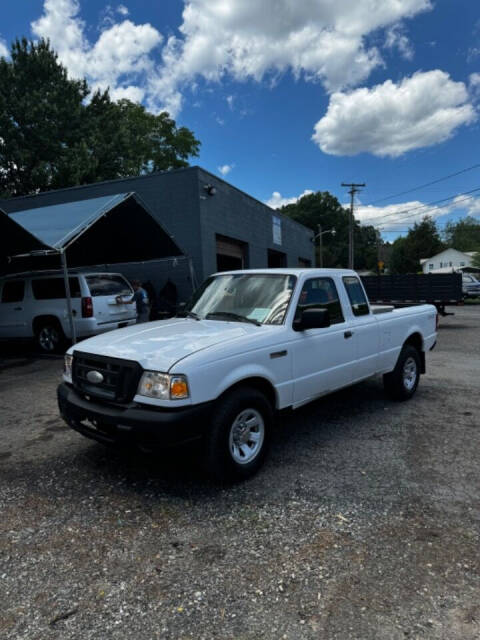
<point>448,261</point>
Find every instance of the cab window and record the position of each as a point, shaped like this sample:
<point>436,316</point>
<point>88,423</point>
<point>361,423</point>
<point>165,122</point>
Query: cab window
<point>320,293</point>
<point>13,291</point>
<point>356,296</point>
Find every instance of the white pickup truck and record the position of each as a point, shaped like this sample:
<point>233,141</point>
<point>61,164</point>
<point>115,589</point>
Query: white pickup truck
<point>250,343</point>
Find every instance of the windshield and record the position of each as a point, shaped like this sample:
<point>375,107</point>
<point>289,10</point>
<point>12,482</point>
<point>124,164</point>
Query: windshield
<point>261,298</point>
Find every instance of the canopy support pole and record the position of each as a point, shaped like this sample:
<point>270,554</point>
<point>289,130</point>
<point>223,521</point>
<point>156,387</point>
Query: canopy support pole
<point>68,295</point>
<point>192,274</point>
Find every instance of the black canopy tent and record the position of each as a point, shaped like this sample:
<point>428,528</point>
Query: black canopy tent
<point>106,230</point>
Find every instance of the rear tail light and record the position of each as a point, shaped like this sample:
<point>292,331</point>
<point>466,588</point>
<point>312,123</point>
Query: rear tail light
<point>87,307</point>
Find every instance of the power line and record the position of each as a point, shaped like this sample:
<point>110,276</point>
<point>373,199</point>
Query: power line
<point>427,184</point>
<point>425,206</point>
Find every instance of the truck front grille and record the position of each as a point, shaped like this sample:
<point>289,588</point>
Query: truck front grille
<point>120,377</point>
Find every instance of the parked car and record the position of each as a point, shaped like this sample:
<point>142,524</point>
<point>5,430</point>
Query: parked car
<point>470,286</point>
<point>34,305</point>
<point>251,343</point>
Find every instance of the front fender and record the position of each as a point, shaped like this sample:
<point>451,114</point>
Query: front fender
<point>243,373</point>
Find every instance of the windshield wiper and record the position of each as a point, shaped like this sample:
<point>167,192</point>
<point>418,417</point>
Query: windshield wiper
<point>232,316</point>
<point>188,314</point>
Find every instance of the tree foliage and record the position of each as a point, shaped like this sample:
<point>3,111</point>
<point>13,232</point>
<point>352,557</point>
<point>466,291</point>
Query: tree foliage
<point>323,208</point>
<point>463,235</point>
<point>422,241</point>
<point>55,133</point>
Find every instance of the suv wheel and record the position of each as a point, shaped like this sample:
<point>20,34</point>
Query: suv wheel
<point>237,442</point>
<point>50,337</point>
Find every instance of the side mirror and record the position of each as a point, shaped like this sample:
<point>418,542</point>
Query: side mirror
<point>312,319</point>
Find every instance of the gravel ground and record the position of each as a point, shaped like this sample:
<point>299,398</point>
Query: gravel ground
<point>363,524</point>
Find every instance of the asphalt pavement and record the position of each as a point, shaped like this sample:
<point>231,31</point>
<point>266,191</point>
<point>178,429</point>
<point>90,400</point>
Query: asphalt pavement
<point>363,523</point>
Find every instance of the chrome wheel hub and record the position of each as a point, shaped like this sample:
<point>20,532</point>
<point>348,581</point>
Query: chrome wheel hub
<point>48,338</point>
<point>409,373</point>
<point>247,434</point>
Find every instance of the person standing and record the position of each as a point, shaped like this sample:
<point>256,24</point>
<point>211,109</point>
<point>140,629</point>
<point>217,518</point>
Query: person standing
<point>140,298</point>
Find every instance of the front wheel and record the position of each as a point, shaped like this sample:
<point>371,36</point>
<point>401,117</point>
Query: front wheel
<point>237,442</point>
<point>402,382</point>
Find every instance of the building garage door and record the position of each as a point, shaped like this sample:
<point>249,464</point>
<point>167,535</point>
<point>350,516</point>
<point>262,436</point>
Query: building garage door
<point>230,254</point>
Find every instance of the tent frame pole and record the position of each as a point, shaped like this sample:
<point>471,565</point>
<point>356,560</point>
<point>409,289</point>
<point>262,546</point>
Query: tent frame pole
<point>68,295</point>
<point>192,274</point>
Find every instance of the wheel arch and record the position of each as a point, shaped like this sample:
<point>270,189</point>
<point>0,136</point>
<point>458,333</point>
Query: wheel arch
<point>258,382</point>
<point>415,340</point>
<point>38,321</point>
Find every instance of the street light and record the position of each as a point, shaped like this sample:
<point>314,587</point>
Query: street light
<point>320,242</point>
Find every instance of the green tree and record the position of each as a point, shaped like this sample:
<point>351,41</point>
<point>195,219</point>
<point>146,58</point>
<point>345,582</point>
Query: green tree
<point>422,241</point>
<point>323,208</point>
<point>55,133</point>
<point>463,235</point>
<point>476,260</point>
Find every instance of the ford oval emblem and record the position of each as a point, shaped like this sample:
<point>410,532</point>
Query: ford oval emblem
<point>95,377</point>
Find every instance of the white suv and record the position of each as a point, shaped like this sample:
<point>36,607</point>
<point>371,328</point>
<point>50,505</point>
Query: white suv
<point>34,305</point>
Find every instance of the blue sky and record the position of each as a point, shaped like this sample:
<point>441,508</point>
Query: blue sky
<point>288,96</point>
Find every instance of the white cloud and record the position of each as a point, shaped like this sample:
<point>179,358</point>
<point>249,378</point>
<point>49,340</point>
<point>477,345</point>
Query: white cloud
<point>396,39</point>
<point>225,169</point>
<point>120,58</point>
<point>230,100</point>
<point>132,93</point>
<point>277,200</point>
<point>390,119</point>
<point>247,39</point>
<point>401,216</point>
<point>474,84</point>
<point>4,52</point>
<point>122,10</point>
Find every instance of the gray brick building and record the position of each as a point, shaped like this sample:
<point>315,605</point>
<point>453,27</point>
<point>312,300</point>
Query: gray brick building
<point>213,222</point>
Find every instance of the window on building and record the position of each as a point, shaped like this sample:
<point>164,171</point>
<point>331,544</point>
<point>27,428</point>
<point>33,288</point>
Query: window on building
<point>13,291</point>
<point>356,296</point>
<point>462,264</point>
<point>54,288</point>
<point>431,265</point>
<point>320,293</point>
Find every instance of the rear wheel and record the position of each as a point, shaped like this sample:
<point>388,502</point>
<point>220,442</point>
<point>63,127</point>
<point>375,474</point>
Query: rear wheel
<point>49,336</point>
<point>402,382</point>
<point>237,441</point>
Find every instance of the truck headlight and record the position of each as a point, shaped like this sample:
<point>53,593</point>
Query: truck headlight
<point>163,386</point>
<point>67,367</point>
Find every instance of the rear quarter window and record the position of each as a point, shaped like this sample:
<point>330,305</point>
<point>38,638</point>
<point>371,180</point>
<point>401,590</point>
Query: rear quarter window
<point>13,291</point>
<point>356,296</point>
<point>54,288</point>
<point>106,285</point>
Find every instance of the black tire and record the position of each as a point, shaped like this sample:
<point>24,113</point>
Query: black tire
<point>49,336</point>
<point>402,382</point>
<point>223,442</point>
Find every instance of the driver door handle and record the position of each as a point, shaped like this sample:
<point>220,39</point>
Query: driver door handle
<point>18,309</point>
<point>348,334</point>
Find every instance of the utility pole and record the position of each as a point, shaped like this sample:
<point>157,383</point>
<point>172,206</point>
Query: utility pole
<point>354,187</point>
<point>320,246</point>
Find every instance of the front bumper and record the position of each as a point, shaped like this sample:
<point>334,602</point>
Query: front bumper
<point>145,426</point>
